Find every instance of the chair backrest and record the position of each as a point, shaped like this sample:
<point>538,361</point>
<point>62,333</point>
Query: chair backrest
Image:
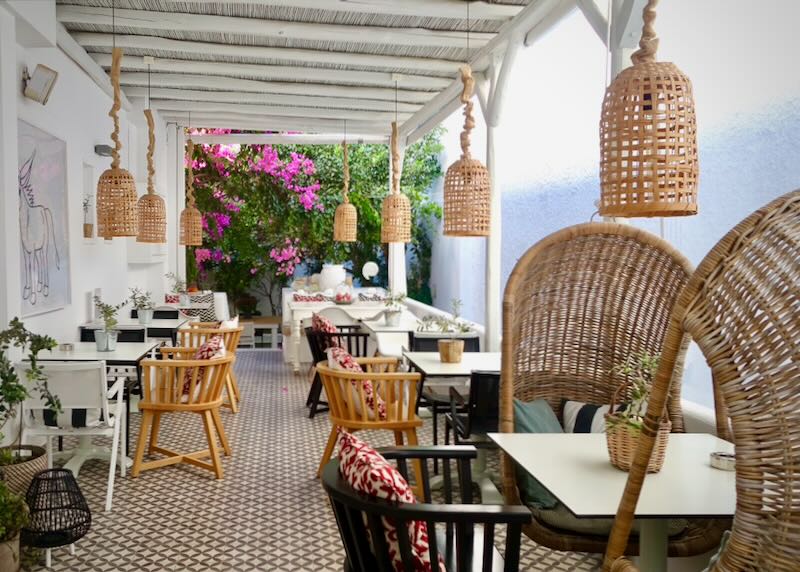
<point>123,336</point>
<point>430,343</point>
<point>338,316</point>
<point>742,307</point>
<point>483,407</point>
<point>79,386</point>
<point>194,337</point>
<point>356,343</point>
<point>348,393</point>
<point>180,381</point>
<point>161,313</point>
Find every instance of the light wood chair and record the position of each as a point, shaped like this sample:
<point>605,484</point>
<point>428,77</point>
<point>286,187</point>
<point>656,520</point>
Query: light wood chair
<point>578,303</point>
<point>742,307</point>
<point>197,333</point>
<point>347,402</point>
<point>163,383</point>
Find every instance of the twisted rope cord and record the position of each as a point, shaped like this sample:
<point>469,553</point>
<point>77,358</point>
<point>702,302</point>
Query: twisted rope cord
<point>469,120</point>
<point>648,44</point>
<point>116,63</point>
<point>395,161</point>
<point>190,173</point>
<point>151,145</point>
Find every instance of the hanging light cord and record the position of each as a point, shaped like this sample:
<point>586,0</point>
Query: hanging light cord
<point>648,44</point>
<point>148,86</point>
<point>113,24</point>
<point>189,170</point>
<point>345,166</point>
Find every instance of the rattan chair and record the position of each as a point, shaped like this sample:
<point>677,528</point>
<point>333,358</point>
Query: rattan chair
<point>165,392</point>
<point>742,307</point>
<point>579,302</point>
<point>197,333</point>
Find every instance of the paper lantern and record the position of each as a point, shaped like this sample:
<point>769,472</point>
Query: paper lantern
<point>151,210</point>
<point>396,208</point>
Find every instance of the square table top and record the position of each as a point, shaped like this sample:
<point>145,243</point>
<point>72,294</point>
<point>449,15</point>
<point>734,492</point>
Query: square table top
<point>133,324</point>
<point>575,468</point>
<point>126,353</point>
<point>431,365</point>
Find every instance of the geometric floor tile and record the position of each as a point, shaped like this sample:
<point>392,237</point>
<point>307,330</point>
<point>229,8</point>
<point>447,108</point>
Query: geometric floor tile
<point>268,514</point>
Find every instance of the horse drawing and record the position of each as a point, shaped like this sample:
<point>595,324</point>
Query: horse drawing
<point>36,234</point>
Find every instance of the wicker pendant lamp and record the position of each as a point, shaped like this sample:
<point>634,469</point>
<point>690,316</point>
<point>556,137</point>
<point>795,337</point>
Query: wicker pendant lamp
<point>648,137</point>
<point>396,208</point>
<point>191,221</point>
<point>151,210</point>
<point>116,188</point>
<point>345,219</point>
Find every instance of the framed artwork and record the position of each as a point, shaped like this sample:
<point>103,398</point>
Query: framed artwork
<point>43,221</point>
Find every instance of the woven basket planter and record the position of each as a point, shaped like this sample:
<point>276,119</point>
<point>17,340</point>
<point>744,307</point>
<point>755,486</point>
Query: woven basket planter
<point>18,476</point>
<point>622,440</point>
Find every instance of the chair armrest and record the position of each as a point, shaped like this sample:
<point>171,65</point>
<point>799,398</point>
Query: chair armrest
<point>439,452</point>
<point>116,388</point>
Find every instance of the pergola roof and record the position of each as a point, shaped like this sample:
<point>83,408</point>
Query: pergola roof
<point>302,65</point>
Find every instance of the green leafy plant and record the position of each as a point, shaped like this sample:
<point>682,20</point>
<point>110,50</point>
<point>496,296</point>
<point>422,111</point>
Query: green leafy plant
<point>13,513</point>
<point>394,302</point>
<point>108,313</point>
<point>142,300</point>
<point>13,390</point>
<point>176,282</point>
<point>452,324</point>
<point>639,371</point>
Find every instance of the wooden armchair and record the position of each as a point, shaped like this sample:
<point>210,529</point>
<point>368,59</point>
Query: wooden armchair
<point>578,303</point>
<point>742,307</point>
<point>178,383</point>
<point>348,402</point>
<point>467,539</point>
<point>197,333</point>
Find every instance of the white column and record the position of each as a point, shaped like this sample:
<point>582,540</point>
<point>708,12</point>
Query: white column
<point>397,250</point>
<point>180,199</point>
<point>493,251</point>
<point>9,199</point>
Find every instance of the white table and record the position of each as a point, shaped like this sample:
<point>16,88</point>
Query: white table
<point>576,470</point>
<point>127,354</point>
<point>430,365</point>
<point>153,329</point>
<point>391,340</point>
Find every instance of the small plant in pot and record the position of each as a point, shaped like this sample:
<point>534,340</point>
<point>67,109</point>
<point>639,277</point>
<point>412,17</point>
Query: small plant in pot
<point>88,227</point>
<point>451,349</point>
<point>13,517</point>
<point>394,308</point>
<point>18,463</point>
<point>106,339</point>
<point>178,285</point>
<point>143,303</point>
<point>624,422</point>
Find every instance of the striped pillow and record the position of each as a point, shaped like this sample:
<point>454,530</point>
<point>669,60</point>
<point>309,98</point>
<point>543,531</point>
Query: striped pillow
<point>586,418</point>
<point>66,419</point>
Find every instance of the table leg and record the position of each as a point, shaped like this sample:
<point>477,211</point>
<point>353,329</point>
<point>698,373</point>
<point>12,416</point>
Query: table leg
<point>296,339</point>
<point>86,451</point>
<point>653,544</point>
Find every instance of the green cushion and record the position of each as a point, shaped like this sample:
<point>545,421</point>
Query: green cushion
<point>560,517</point>
<point>534,417</point>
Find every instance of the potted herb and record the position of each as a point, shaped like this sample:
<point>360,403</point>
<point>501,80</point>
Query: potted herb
<point>452,349</point>
<point>624,424</point>
<point>88,227</point>
<point>18,463</point>
<point>143,303</point>
<point>178,286</point>
<point>13,516</point>
<point>106,339</point>
<point>394,308</point>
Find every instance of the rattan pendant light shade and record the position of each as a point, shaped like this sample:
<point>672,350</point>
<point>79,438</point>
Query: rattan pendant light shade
<point>191,221</point>
<point>345,219</point>
<point>396,208</point>
<point>648,137</point>
<point>467,187</point>
<point>151,209</point>
<point>116,188</point>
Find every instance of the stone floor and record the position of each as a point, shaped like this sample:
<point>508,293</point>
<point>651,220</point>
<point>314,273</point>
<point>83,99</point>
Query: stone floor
<point>268,514</point>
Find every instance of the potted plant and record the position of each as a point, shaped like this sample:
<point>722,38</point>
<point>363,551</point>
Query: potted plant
<point>13,516</point>
<point>178,285</point>
<point>143,302</point>
<point>394,308</point>
<point>623,427</point>
<point>452,349</point>
<point>106,339</point>
<point>18,463</point>
<point>88,227</point>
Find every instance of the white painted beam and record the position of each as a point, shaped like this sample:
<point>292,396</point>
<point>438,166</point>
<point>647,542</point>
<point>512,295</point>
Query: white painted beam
<point>425,8</point>
<point>77,54</point>
<point>253,122</point>
<point>203,23</point>
<point>276,110</point>
<point>627,23</point>
<point>269,72</point>
<point>216,83</point>
<point>289,139</point>
<point>313,57</point>
<point>270,99</point>
<point>548,22</point>
<point>596,18</point>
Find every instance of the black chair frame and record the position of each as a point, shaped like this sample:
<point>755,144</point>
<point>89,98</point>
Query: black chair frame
<point>478,415</point>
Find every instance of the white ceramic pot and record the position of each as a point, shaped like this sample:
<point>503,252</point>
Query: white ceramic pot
<point>392,317</point>
<point>145,316</point>
<point>331,276</point>
<point>106,341</point>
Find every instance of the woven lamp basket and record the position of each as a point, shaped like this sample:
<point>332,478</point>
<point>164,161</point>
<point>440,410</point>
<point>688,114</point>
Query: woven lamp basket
<point>648,137</point>
<point>396,208</point>
<point>151,210</point>
<point>191,222</point>
<point>345,218</point>
<point>467,187</point>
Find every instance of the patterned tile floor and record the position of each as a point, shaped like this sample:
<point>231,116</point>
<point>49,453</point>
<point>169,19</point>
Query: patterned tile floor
<point>268,514</point>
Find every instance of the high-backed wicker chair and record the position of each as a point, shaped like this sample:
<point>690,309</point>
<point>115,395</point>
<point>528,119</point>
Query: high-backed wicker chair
<point>742,307</point>
<point>578,303</point>
<point>196,334</point>
<point>165,391</point>
<point>345,389</point>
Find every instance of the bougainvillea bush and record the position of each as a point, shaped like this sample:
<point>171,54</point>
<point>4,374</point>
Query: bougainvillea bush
<point>268,213</point>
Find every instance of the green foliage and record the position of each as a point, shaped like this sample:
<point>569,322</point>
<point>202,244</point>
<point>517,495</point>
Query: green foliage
<point>639,370</point>
<point>176,283</point>
<point>142,300</point>
<point>13,513</point>
<point>108,312</point>
<point>452,324</point>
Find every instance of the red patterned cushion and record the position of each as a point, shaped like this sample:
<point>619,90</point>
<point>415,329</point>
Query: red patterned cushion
<point>172,298</point>
<point>368,472</point>
<point>211,348</point>
<point>340,358</point>
<point>320,323</point>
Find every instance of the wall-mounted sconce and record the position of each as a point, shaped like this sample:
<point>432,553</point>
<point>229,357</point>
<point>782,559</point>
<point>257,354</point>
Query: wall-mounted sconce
<point>40,84</point>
